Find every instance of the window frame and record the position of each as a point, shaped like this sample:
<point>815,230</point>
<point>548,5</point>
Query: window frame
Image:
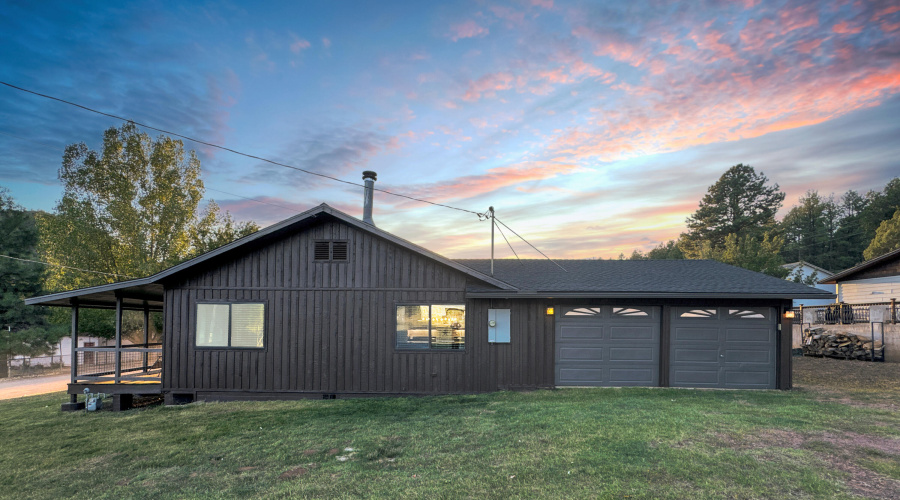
<point>330,251</point>
<point>230,303</point>
<point>429,349</point>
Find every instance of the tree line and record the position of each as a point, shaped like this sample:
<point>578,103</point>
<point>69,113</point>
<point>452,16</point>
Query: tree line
<point>735,223</point>
<point>129,210</point>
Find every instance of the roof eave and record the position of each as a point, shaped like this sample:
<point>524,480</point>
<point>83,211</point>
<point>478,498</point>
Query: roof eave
<point>846,273</point>
<point>648,295</point>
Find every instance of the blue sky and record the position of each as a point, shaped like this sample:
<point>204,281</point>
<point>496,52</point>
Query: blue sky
<point>592,127</point>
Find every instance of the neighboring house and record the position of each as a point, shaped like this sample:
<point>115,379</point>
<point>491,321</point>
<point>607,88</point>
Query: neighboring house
<point>326,305</point>
<point>807,271</point>
<point>62,352</point>
<point>875,280</point>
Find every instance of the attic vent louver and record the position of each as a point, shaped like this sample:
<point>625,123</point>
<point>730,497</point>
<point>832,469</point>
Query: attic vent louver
<point>322,250</point>
<point>339,250</point>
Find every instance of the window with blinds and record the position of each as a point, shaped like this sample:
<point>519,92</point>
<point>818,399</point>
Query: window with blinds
<point>236,325</point>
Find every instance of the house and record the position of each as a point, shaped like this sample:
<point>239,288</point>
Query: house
<point>805,271</point>
<point>875,280</point>
<point>324,305</point>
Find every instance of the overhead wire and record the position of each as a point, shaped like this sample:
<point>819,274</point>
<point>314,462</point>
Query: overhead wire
<point>66,267</point>
<point>508,243</point>
<point>481,216</point>
<point>529,244</point>
<point>218,146</point>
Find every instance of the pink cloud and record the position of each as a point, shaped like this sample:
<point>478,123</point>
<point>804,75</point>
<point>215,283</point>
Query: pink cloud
<point>488,85</point>
<point>612,46</point>
<point>547,4</point>
<point>844,28</point>
<point>492,180</point>
<point>299,45</point>
<point>510,15</point>
<point>467,29</point>
<point>326,42</point>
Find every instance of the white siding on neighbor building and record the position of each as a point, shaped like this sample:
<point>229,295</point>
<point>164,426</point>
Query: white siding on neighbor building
<point>805,272</point>
<point>869,290</point>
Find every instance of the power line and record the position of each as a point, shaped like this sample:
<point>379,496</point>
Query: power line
<point>529,244</point>
<point>254,199</point>
<point>198,141</point>
<point>67,267</point>
<point>508,243</point>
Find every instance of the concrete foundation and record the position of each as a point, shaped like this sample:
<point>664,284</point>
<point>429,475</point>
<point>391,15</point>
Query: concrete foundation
<point>891,336</point>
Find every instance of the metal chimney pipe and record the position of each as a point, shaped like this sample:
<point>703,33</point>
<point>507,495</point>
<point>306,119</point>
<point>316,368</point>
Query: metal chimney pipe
<point>369,177</point>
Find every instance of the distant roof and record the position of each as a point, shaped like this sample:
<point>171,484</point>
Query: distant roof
<point>816,268</point>
<point>847,273</point>
<point>636,278</point>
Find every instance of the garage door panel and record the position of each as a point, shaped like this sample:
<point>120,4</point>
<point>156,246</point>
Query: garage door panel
<point>581,332</point>
<point>760,355</point>
<point>608,348</point>
<point>632,354</point>
<point>580,354</point>
<point>747,334</point>
<point>638,377</point>
<point>630,333</point>
<point>581,376</point>
<point>729,348</point>
<point>692,333</point>
<point>696,355</point>
<point>746,379</point>
<point>696,377</point>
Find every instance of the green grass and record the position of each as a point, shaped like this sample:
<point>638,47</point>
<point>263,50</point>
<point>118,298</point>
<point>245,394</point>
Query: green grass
<point>607,443</point>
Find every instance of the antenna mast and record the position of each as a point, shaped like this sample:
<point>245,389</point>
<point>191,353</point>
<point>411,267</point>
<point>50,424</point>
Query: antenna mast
<point>491,210</point>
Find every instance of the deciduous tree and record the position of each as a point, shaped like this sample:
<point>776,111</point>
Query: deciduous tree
<point>131,209</point>
<point>887,238</point>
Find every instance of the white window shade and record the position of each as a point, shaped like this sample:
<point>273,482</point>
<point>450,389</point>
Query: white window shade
<point>212,325</point>
<point>247,325</point>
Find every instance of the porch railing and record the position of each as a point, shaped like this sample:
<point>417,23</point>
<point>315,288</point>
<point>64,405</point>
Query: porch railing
<point>141,362</point>
<point>845,314</point>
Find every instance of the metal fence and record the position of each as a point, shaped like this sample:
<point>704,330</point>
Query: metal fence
<point>33,366</point>
<point>845,314</point>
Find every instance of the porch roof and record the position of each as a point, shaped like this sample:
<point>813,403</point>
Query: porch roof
<point>136,294</point>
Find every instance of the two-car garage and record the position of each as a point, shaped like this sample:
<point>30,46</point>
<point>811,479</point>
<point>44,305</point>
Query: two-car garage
<point>715,347</point>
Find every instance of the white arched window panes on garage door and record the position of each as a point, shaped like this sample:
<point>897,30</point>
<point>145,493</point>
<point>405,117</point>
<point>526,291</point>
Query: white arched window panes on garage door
<point>698,313</point>
<point>630,312</point>
<point>746,314</point>
<point>582,311</point>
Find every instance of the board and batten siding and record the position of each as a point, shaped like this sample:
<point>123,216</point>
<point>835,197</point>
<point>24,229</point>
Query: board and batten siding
<point>869,290</point>
<point>331,327</point>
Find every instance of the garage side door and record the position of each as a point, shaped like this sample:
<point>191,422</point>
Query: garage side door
<point>725,347</point>
<point>607,346</point>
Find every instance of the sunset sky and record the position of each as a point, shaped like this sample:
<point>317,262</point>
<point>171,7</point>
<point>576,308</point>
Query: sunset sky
<point>593,128</point>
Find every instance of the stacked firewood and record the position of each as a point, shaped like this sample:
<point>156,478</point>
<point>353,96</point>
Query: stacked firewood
<point>820,342</point>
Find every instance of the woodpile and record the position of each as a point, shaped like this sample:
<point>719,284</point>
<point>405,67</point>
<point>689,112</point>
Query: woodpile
<point>821,342</point>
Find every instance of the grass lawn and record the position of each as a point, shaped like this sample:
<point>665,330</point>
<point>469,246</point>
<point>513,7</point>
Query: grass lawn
<point>825,439</point>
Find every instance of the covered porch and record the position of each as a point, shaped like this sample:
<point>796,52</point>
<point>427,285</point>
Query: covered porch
<point>123,370</point>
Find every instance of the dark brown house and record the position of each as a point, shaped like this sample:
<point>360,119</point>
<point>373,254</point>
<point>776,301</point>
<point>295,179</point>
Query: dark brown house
<point>326,305</point>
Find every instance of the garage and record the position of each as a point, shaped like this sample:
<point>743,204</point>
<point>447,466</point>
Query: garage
<point>607,346</point>
<point>723,347</point>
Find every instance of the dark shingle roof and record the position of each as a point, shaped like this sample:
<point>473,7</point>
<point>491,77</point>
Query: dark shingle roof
<point>638,277</point>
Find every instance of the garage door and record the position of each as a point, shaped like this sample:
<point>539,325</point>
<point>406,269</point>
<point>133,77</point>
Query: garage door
<point>607,346</point>
<point>727,347</point>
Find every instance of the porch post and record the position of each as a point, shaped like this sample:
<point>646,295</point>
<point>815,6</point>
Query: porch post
<point>73,398</point>
<point>146,334</point>
<point>118,373</point>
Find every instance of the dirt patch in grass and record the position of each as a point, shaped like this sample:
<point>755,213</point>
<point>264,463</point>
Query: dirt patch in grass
<point>307,453</point>
<point>293,473</point>
<point>855,383</point>
<point>842,453</point>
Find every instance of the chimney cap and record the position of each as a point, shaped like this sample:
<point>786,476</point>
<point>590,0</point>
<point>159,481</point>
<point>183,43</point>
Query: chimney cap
<point>368,174</point>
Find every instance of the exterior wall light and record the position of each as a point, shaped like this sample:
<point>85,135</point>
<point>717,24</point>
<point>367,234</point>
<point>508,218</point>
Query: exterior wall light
<point>789,314</point>
<point>549,311</point>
